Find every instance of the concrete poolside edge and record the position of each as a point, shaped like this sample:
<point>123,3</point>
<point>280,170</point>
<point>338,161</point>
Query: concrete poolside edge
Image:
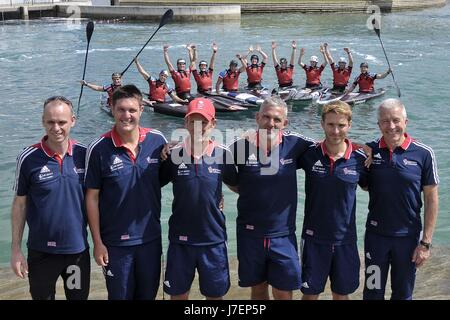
<point>204,11</point>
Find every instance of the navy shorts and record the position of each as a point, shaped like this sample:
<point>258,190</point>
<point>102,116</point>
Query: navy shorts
<point>211,263</point>
<point>382,252</point>
<point>339,262</point>
<point>274,260</point>
<point>133,272</point>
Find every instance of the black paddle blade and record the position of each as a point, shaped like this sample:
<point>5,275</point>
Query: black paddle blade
<point>168,15</point>
<point>376,26</point>
<point>89,30</point>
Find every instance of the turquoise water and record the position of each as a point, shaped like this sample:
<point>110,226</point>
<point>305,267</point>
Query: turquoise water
<point>43,58</point>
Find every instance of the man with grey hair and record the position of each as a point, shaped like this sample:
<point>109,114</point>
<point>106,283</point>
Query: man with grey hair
<point>401,169</point>
<point>267,204</point>
<point>49,196</point>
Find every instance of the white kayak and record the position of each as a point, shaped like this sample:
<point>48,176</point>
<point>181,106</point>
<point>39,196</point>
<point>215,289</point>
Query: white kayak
<point>244,97</point>
<point>353,97</point>
<point>296,93</point>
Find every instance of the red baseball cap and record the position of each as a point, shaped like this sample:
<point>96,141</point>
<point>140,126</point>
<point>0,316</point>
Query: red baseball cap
<point>202,106</point>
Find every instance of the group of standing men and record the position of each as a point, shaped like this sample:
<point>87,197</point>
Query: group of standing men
<point>115,186</point>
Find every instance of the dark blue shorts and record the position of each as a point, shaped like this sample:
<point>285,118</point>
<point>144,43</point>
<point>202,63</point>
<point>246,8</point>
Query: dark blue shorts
<point>339,262</point>
<point>133,272</point>
<point>211,263</point>
<point>382,253</point>
<point>274,260</point>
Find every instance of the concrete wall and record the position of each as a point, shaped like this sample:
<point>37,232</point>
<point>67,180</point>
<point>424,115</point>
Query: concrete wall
<point>310,7</point>
<point>18,3</point>
<point>181,13</point>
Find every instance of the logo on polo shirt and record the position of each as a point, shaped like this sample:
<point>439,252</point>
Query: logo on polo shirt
<point>305,285</point>
<point>377,159</point>
<point>252,160</point>
<point>318,167</point>
<point>285,161</point>
<point>348,171</point>
<point>183,238</point>
<point>117,164</point>
<point>125,237</point>
<point>183,170</point>
<point>374,223</point>
<point>214,170</point>
<point>182,166</point>
<point>150,160</point>
<point>407,162</point>
<point>45,173</point>
<point>309,232</point>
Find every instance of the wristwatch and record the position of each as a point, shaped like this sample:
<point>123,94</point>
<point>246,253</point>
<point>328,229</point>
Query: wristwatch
<point>427,245</point>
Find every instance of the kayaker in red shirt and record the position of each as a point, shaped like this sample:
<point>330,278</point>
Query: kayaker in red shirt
<point>284,71</point>
<point>313,72</point>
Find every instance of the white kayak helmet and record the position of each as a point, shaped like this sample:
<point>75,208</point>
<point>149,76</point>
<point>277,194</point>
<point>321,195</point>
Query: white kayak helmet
<point>164,72</point>
<point>342,60</point>
<point>314,59</point>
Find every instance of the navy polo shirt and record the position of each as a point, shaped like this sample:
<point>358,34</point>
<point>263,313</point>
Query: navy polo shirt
<point>55,197</point>
<point>396,179</point>
<point>130,191</point>
<point>330,188</point>
<point>267,183</point>
<point>197,189</point>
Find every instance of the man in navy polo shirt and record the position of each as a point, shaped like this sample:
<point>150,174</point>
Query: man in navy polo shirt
<point>197,232</point>
<point>402,169</point>
<point>50,198</point>
<point>123,200</point>
<point>333,169</point>
<point>267,204</point>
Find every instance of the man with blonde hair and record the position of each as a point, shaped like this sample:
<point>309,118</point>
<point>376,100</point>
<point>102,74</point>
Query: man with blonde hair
<point>333,167</point>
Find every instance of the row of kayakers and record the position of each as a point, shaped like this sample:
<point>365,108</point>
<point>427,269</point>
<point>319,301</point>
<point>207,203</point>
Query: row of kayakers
<point>228,80</point>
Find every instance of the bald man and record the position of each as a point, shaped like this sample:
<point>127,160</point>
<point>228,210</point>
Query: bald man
<point>49,196</point>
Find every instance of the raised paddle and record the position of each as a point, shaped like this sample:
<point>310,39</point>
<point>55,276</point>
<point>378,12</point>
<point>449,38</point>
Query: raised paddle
<point>377,31</point>
<point>89,31</point>
<point>164,19</point>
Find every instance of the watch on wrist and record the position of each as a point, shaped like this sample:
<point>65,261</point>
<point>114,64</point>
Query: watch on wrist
<point>427,245</point>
